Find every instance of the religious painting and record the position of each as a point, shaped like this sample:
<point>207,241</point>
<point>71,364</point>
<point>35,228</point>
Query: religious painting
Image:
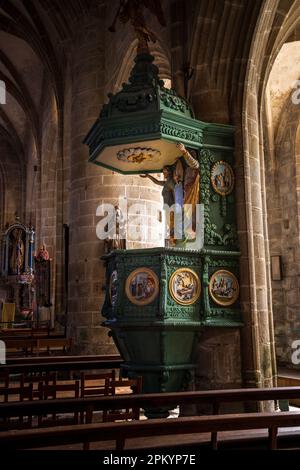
<point>222,178</point>
<point>224,288</point>
<point>138,155</point>
<point>185,286</point>
<point>142,286</point>
<point>113,287</point>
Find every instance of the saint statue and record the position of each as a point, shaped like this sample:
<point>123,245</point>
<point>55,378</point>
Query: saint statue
<point>180,189</point>
<point>43,254</point>
<point>132,10</point>
<point>117,239</point>
<point>16,264</point>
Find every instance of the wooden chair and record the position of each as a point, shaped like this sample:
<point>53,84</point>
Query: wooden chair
<point>28,390</point>
<point>117,387</point>
<point>20,392</point>
<point>44,379</point>
<point>94,385</point>
<point>52,391</point>
<point>19,387</point>
<point>10,389</point>
<point>39,377</point>
<point>5,381</point>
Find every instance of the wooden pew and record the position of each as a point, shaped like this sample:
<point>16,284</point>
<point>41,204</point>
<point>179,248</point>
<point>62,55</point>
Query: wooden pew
<point>30,329</point>
<point>55,359</point>
<point>36,345</point>
<point>66,435</point>
<point>15,332</point>
<point>53,344</point>
<point>24,333</point>
<point>51,365</point>
<point>117,402</point>
<point>26,345</point>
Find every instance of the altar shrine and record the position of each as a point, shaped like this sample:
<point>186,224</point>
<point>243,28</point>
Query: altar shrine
<point>17,251</point>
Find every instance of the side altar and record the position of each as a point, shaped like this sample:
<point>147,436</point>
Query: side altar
<point>158,300</point>
<point>16,273</point>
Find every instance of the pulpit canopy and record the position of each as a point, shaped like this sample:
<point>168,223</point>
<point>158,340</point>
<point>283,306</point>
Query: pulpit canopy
<point>138,128</point>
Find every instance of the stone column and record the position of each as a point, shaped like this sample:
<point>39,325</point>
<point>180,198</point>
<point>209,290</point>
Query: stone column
<point>90,186</point>
<point>258,352</point>
<point>85,273</point>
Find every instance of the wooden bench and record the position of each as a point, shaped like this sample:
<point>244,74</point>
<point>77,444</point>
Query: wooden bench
<point>15,345</point>
<point>15,332</point>
<point>51,345</point>
<point>37,345</point>
<point>48,364</point>
<point>37,360</point>
<point>89,405</point>
<point>66,435</point>
<point>26,330</point>
<point>213,397</point>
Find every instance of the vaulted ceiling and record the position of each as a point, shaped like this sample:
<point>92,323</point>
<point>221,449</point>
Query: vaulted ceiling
<point>35,36</point>
<point>31,35</point>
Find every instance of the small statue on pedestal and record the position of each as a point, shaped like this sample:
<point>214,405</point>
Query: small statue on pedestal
<point>117,240</point>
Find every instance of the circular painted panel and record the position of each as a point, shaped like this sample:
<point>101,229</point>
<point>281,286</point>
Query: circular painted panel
<point>142,286</point>
<point>224,288</point>
<point>185,286</point>
<point>222,178</point>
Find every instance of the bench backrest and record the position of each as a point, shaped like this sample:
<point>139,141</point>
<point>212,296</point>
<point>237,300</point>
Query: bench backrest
<point>155,427</point>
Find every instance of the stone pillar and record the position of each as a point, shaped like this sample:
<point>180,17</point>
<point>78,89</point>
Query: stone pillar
<point>258,352</point>
<point>85,273</point>
<point>90,186</point>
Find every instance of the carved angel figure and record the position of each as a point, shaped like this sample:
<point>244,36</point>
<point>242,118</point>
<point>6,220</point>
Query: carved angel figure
<point>132,10</point>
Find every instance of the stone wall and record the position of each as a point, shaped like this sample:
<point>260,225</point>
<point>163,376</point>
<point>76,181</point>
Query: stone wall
<point>283,221</point>
<point>14,180</point>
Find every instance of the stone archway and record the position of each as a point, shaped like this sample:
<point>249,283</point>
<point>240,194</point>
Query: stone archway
<point>282,156</point>
<point>259,362</point>
<point>2,198</point>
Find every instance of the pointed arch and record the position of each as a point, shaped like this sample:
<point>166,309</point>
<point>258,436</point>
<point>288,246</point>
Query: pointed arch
<point>274,26</point>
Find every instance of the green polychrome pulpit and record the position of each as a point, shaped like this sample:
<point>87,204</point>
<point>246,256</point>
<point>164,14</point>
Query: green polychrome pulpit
<point>157,300</point>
